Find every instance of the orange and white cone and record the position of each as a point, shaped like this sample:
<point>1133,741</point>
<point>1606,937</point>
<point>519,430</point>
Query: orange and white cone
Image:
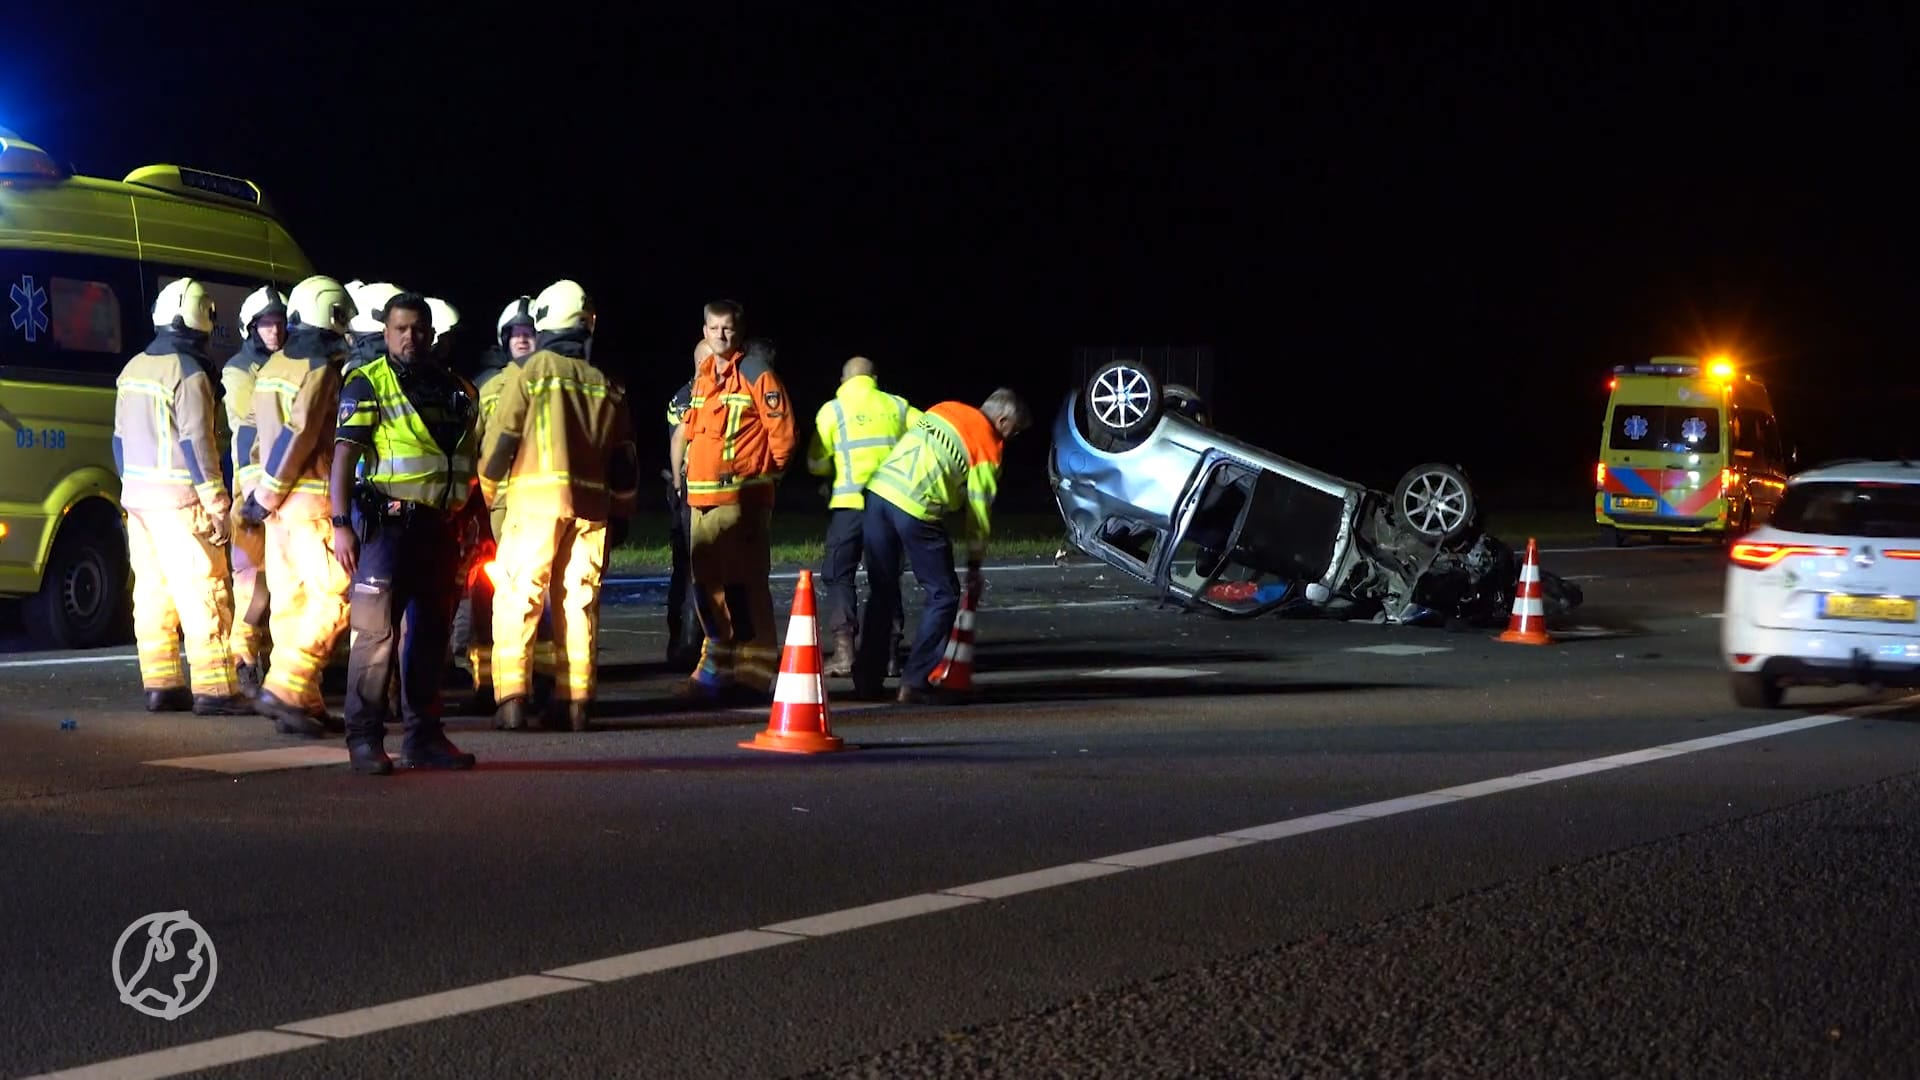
<point>798,723</point>
<point>1528,624</point>
<point>955,670</point>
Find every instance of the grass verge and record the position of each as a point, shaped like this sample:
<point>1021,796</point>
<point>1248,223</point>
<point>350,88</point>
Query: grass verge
<point>799,539</point>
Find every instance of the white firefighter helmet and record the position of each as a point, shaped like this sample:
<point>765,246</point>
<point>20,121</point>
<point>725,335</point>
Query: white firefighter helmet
<point>518,312</point>
<point>323,302</point>
<point>261,301</point>
<point>445,316</point>
<point>186,300</point>
<point>371,300</point>
<point>562,305</point>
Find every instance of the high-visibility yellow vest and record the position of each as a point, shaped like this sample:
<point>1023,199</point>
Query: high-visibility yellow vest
<point>852,435</point>
<point>406,462</point>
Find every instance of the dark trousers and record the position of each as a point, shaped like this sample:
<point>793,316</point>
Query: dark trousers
<point>682,622</point>
<point>846,545</point>
<point>402,574</point>
<point>894,540</point>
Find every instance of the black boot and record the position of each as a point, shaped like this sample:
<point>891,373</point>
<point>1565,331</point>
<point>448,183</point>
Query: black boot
<point>232,705</point>
<point>177,699</point>
<point>287,719</point>
<point>434,752</point>
<point>573,714</point>
<point>512,715</point>
<point>247,676</point>
<point>369,758</point>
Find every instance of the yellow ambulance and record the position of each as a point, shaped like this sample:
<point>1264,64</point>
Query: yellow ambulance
<point>81,260</point>
<point>1690,448</point>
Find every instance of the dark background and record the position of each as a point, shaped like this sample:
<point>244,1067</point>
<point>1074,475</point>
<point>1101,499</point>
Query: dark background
<point>1404,237</point>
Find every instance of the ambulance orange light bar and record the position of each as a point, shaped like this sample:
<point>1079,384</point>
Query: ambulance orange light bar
<point>1721,368</point>
<point>1762,556</point>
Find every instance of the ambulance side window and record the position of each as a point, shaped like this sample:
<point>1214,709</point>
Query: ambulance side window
<point>1746,432</point>
<point>74,318</point>
<point>1776,454</point>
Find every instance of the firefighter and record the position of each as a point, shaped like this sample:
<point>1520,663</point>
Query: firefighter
<point>948,462</point>
<point>395,534</point>
<point>739,434</point>
<point>473,624</point>
<point>166,450</point>
<point>563,436</point>
<point>682,622</point>
<point>263,322</point>
<point>366,338</point>
<point>851,436</point>
<point>294,407</point>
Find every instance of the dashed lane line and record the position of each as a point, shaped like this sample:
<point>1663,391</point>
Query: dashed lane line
<point>356,1023</point>
<point>64,661</point>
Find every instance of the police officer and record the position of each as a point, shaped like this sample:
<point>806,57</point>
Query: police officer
<point>166,449</point>
<point>852,435</point>
<point>263,322</point>
<point>412,420</point>
<point>562,438</point>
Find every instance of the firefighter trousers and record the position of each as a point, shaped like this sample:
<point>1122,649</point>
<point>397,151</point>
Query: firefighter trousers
<point>541,555</point>
<point>180,587</point>
<point>309,610</point>
<point>251,600</point>
<point>732,555</point>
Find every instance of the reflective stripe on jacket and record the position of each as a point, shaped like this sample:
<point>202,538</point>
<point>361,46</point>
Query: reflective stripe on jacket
<point>405,460</point>
<point>573,455</point>
<point>852,435</point>
<point>948,461</point>
<point>165,433</point>
<point>739,431</point>
<point>295,398</point>
<point>237,378</point>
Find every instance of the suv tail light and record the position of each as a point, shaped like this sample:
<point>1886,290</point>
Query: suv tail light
<point>1761,556</point>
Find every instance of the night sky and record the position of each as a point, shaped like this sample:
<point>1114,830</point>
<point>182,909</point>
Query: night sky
<point>1404,239</point>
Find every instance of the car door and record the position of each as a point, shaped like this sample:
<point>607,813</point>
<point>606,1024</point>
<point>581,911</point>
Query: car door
<point>1250,539</point>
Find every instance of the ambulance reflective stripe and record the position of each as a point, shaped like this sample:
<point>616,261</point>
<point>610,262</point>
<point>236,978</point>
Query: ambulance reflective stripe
<point>408,463</point>
<point>1675,492</point>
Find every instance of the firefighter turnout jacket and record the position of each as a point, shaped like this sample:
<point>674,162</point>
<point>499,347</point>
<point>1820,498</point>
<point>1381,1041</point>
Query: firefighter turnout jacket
<point>165,428</point>
<point>740,432</point>
<point>948,461</point>
<point>295,395</point>
<point>238,378</point>
<point>852,435</point>
<point>561,437</point>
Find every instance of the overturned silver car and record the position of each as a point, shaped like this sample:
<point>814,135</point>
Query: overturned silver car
<point>1146,485</point>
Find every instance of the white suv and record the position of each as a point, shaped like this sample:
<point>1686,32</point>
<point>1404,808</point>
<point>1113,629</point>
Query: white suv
<point>1828,591</point>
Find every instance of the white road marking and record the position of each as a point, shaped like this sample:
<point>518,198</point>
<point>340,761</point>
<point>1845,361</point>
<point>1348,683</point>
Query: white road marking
<point>1147,673</point>
<point>1398,649</point>
<point>1014,885</point>
<point>395,1014</point>
<point>63,661</point>
<point>252,761</point>
<point>987,611</point>
<point>1012,568</point>
<point>667,957</point>
<point>192,1057</point>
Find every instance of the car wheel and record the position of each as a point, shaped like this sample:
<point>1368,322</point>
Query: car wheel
<point>83,599</point>
<point>1752,690</point>
<point>1434,501</point>
<point>1122,403</point>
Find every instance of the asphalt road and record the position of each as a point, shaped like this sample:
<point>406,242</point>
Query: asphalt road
<point>1159,844</point>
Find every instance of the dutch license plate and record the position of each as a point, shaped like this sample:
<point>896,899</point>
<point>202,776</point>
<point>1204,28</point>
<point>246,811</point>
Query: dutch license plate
<point>1628,502</point>
<point>1869,608</point>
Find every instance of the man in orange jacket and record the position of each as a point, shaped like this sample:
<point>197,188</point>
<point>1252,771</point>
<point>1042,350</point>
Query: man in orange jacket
<point>739,437</point>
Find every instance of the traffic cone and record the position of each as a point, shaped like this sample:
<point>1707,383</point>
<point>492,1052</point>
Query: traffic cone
<point>955,670</point>
<point>1528,625</point>
<point>798,723</point>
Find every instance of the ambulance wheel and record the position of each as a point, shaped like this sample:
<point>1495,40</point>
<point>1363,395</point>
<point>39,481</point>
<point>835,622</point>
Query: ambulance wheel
<point>1122,403</point>
<point>1434,501</point>
<point>83,602</point>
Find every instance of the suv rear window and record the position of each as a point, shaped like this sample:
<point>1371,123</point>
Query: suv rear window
<point>1850,508</point>
<point>1675,429</point>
